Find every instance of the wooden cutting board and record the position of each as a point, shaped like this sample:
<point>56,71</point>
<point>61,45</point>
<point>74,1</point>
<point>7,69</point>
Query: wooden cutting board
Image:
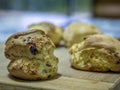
<point>66,79</point>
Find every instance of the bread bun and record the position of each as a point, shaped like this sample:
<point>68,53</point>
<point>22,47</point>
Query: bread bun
<point>54,32</point>
<point>31,55</point>
<point>76,32</point>
<point>96,53</point>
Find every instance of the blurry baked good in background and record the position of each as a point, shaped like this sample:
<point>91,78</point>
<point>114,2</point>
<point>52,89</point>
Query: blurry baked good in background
<point>54,32</point>
<point>31,55</point>
<point>96,53</point>
<point>76,32</point>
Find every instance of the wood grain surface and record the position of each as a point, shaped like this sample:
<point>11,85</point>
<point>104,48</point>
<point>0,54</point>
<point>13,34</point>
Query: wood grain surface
<point>66,79</point>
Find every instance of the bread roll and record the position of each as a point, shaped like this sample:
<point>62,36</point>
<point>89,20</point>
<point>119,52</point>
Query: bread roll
<point>76,32</point>
<point>31,55</point>
<point>96,53</point>
<point>54,32</point>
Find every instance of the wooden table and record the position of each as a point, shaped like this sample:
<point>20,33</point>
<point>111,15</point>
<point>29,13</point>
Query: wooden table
<point>66,79</point>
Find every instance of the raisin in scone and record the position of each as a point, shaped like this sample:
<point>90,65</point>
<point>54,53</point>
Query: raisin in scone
<point>96,53</point>
<point>54,32</point>
<point>76,32</point>
<point>31,55</point>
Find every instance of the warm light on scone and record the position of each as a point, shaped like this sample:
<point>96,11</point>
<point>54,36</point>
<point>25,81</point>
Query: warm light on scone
<point>54,32</point>
<point>76,32</point>
<point>31,55</point>
<point>96,53</point>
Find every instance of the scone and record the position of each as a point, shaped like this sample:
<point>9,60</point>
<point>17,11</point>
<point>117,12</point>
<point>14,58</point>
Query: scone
<point>54,32</point>
<point>96,53</point>
<point>76,32</point>
<point>31,55</point>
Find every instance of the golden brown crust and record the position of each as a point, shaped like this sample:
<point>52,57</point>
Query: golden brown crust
<point>102,41</point>
<point>30,52</point>
<point>96,53</point>
<point>16,35</point>
<point>32,69</point>
<point>31,42</point>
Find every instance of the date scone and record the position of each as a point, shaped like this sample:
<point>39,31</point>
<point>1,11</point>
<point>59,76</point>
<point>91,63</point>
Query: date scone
<point>96,53</point>
<point>31,55</point>
<point>76,32</point>
<point>54,32</point>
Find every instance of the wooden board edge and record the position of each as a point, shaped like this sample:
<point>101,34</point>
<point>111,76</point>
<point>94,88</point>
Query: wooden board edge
<point>62,83</point>
<point>116,85</point>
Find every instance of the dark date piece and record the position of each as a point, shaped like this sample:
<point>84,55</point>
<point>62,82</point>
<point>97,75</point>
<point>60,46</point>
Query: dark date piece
<point>33,50</point>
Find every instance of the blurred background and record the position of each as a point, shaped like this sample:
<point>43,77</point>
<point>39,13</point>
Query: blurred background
<point>16,15</point>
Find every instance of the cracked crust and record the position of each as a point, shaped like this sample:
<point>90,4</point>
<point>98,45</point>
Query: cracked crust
<point>26,44</point>
<point>31,53</point>
<point>96,53</point>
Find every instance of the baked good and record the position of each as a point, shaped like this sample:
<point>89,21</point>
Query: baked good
<point>96,53</point>
<point>76,32</point>
<point>31,55</point>
<point>54,32</point>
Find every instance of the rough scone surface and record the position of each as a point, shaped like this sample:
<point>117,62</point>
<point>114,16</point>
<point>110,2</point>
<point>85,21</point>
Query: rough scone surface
<point>96,53</point>
<point>31,55</point>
